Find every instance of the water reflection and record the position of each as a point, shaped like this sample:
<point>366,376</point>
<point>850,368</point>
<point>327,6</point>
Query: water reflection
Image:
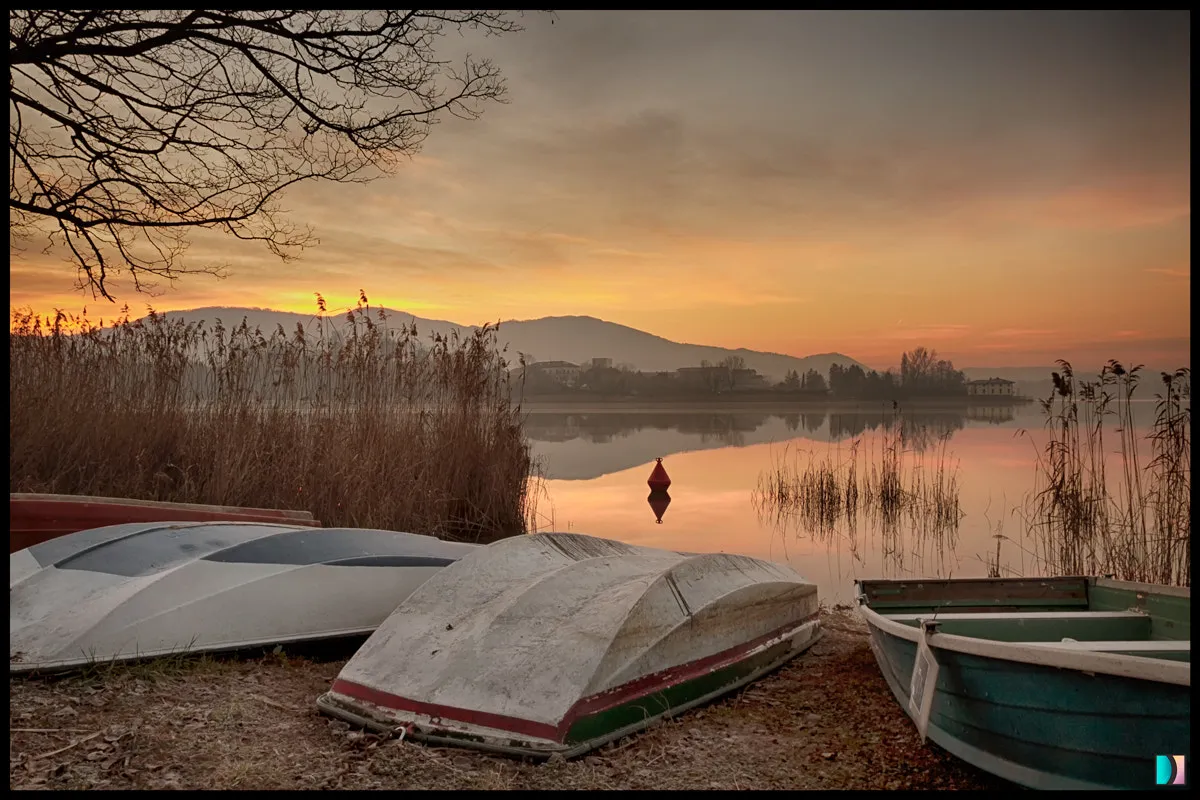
<point>997,415</point>
<point>896,487</point>
<point>659,500</point>
<point>596,467</point>
<point>626,439</point>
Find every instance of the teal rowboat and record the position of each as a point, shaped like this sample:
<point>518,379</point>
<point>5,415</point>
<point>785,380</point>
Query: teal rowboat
<point>1057,683</point>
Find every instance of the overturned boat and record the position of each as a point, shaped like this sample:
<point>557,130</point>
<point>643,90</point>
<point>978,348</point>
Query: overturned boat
<point>133,591</point>
<point>558,643</point>
<point>1052,683</point>
<point>34,518</point>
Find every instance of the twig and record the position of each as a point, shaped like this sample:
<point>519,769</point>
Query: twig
<point>630,743</point>
<point>64,749</point>
<point>272,703</point>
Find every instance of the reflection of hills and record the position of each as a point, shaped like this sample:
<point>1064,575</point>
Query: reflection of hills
<point>721,429</point>
<point>587,445</point>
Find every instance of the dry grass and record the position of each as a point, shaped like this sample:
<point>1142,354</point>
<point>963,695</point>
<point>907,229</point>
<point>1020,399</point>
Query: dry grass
<point>824,721</point>
<point>359,424</point>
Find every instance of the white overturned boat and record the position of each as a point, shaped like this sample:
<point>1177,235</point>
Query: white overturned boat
<point>148,589</point>
<point>557,643</point>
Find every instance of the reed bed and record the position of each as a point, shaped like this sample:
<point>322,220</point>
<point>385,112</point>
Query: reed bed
<point>360,424</point>
<point>1134,521</point>
<point>820,490</point>
<point>910,496</point>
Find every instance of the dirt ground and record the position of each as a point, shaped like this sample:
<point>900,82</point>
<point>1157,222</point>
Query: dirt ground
<point>824,721</point>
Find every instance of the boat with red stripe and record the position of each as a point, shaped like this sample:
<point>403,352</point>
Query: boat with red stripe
<point>558,643</point>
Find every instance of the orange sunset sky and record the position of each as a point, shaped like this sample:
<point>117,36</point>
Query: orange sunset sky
<point>1008,188</point>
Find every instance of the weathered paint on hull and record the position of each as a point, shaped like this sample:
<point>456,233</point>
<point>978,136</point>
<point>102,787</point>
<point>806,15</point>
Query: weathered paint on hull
<point>607,723</point>
<point>1044,727</point>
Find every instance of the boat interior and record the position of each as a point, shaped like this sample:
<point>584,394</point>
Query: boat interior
<point>1086,614</point>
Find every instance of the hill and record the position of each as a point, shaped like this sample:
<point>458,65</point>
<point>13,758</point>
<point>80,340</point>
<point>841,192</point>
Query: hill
<point>573,339</point>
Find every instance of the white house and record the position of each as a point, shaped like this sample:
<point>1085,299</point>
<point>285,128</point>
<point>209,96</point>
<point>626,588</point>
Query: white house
<point>562,371</point>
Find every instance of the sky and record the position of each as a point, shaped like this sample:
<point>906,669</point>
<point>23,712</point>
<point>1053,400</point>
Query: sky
<point>1007,188</point>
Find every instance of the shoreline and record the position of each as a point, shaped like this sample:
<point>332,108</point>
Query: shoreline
<point>825,720</point>
<point>568,404</point>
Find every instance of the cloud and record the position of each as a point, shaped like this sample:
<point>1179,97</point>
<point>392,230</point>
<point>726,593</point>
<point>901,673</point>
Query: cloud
<point>1014,333</point>
<point>927,333</point>
<point>781,177</point>
<point>1129,203</point>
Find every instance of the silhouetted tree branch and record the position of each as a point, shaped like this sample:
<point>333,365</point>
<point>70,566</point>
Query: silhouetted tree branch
<point>127,128</point>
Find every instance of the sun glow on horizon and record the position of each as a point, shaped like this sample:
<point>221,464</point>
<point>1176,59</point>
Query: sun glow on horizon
<point>1005,194</point>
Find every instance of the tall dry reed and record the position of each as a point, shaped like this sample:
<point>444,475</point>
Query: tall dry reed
<point>1135,525</point>
<point>359,424</point>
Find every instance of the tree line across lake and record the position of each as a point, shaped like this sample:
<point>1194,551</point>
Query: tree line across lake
<point>922,374</point>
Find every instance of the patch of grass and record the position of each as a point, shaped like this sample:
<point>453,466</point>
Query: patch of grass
<point>361,424</point>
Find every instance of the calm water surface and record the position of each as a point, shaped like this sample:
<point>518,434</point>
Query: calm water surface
<point>596,466</point>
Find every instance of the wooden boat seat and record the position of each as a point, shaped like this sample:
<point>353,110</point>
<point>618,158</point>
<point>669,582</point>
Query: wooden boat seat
<point>1038,626</point>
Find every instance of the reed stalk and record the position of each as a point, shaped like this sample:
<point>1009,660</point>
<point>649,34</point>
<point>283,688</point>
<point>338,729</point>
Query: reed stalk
<point>1135,525</point>
<point>361,424</point>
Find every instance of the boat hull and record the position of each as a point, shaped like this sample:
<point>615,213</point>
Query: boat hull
<point>1086,717</point>
<point>599,720</point>
<point>1039,726</point>
<point>130,592</point>
<point>36,518</point>
<point>556,643</point>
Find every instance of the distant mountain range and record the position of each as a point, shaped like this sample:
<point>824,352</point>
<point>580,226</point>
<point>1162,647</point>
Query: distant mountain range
<point>572,339</point>
<point>579,339</point>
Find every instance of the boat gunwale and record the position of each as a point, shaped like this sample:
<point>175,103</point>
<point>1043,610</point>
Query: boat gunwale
<point>1043,654</point>
<point>73,500</point>
<point>1146,588</point>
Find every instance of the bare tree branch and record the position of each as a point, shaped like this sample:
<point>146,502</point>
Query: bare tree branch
<point>127,128</point>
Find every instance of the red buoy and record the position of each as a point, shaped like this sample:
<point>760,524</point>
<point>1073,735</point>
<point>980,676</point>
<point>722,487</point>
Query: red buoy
<point>659,500</point>
<point>658,478</point>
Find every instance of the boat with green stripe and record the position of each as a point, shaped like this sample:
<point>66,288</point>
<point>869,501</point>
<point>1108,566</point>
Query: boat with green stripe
<point>1054,683</point>
<point>557,643</point>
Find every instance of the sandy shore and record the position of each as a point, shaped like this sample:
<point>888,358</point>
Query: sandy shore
<point>824,721</point>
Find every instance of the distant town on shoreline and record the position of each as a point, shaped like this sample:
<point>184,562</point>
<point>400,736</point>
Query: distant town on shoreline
<point>921,376</point>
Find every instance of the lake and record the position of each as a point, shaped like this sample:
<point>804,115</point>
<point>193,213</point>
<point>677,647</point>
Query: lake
<point>596,465</point>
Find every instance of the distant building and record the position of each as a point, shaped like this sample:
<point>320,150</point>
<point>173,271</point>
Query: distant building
<point>991,386</point>
<point>564,372</point>
<point>601,363</point>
